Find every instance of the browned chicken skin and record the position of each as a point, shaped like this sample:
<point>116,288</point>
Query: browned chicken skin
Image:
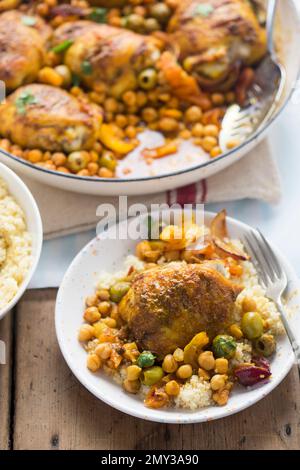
<point>22,48</point>
<point>166,306</point>
<point>49,118</point>
<point>102,53</point>
<point>215,38</point>
<point>8,4</point>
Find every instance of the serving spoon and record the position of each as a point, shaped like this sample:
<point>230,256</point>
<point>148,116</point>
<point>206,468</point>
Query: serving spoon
<point>263,96</point>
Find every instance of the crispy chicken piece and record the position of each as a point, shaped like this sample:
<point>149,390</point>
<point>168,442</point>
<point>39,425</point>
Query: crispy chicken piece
<point>49,118</point>
<point>8,4</point>
<point>22,48</point>
<point>215,38</point>
<point>166,306</point>
<point>111,55</point>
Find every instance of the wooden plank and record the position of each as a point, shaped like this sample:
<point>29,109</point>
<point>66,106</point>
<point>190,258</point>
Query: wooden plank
<point>5,381</point>
<point>53,411</point>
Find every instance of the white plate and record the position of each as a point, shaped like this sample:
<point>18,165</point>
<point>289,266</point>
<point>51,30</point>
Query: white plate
<point>187,167</point>
<point>23,196</point>
<point>79,282</point>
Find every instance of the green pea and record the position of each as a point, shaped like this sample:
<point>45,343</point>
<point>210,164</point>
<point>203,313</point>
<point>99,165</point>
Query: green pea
<point>108,160</point>
<point>152,375</point>
<point>77,161</point>
<point>224,346</point>
<point>146,359</point>
<point>118,290</point>
<point>252,325</point>
<point>147,79</point>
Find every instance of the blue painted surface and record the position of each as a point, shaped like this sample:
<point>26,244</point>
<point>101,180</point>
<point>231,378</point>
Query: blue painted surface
<point>280,223</point>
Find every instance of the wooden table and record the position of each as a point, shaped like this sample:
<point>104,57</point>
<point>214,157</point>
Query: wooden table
<point>43,406</point>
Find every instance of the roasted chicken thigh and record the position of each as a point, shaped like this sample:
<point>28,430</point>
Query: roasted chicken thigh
<point>166,306</point>
<point>215,38</point>
<point>22,48</point>
<point>49,118</point>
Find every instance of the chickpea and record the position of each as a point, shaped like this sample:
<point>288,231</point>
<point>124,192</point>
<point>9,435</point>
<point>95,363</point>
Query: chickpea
<point>221,397</point>
<point>221,366</point>
<point>141,98</point>
<point>215,151</point>
<point>65,73</point>
<point>86,332</point>
<point>197,130</point>
<point>193,114</point>
<point>93,168</point>
<point>93,362</point>
<point>133,119</point>
<point>149,115</point>
<point>172,388</point>
<point>121,121</point>
<point>131,386</point>
<point>133,372</point>
<point>103,350</point>
<point>151,24</point>
<point>135,22</point>
<point>105,173</point>
<point>111,105</point>
<point>92,314</point>
<point>168,124</point>
<point>130,132</point>
<point>104,307</point>
<point>206,360</point>
<point>217,382</point>
<point>203,374</point>
<point>230,97</point>
<point>169,364</point>
<point>160,11</point>
<point>208,143</point>
<point>218,99</point>
<point>129,98</point>
<point>184,372</point>
<point>111,322</point>
<point>103,294</point>
<point>231,144</point>
<point>35,156</point>
<point>248,305</point>
<point>83,172</point>
<point>185,134</point>
<point>236,331</point>
<point>211,130</point>
<point>59,159</point>
<point>178,355</point>
<point>91,301</point>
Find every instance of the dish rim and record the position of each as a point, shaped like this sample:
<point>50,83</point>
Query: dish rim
<point>183,171</point>
<point>33,207</point>
<point>188,416</point>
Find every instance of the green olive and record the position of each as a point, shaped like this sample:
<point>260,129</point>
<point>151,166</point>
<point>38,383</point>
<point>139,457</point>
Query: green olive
<point>135,22</point>
<point>118,290</point>
<point>145,359</point>
<point>252,325</point>
<point>108,160</point>
<point>161,12</point>
<point>77,161</point>
<point>147,79</point>
<point>151,24</point>
<point>152,375</point>
<point>265,345</point>
<point>224,346</point>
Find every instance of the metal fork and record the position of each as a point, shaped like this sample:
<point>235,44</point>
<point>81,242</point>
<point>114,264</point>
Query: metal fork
<point>272,278</point>
<point>240,122</point>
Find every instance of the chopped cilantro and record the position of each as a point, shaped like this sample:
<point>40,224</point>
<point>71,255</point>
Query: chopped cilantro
<point>86,67</point>
<point>98,15</point>
<point>205,9</point>
<point>63,46</point>
<point>26,98</point>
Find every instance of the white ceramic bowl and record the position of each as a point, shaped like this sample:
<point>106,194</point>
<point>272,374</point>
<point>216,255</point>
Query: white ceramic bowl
<point>79,282</point>
<point>23,196</point>
<point>191,172</point>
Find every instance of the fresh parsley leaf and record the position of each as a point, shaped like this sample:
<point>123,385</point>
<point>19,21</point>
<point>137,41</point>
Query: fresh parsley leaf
<point>26,98</point>
<point>28,20</point>
<point>86,67</point>
<point>205,9</point>
<point>75,80</point>
<point>63,46</point>
<point>98,15</point>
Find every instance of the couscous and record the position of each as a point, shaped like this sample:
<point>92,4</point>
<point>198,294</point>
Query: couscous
<point>15,246</point>
<point>190,348</point>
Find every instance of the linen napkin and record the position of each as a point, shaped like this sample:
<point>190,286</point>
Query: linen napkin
<point>254,176</point>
